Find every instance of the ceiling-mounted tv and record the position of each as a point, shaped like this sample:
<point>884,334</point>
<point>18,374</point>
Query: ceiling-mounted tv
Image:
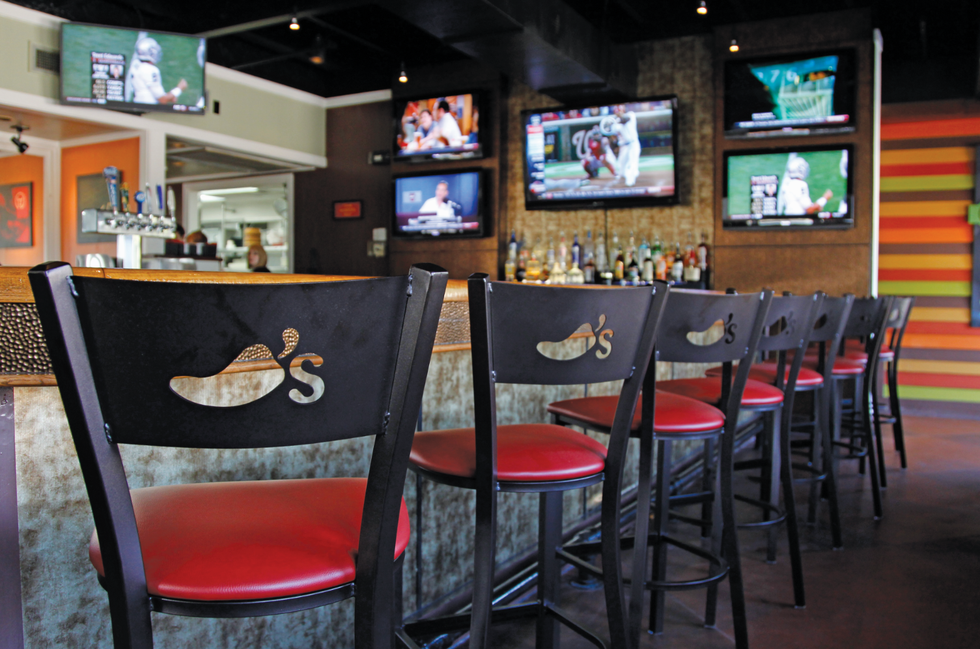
<point>803,187</point>
<point>439,205</point>
<point>617,155</point>
<point>790,95</point>
<point>439,128</point>
<point>132,70</point>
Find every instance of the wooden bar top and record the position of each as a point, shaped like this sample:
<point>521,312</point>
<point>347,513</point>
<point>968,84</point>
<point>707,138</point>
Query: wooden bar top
<point>20,321</point>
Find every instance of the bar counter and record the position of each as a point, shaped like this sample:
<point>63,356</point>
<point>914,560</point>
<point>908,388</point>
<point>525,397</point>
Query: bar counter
<point>46,521</point>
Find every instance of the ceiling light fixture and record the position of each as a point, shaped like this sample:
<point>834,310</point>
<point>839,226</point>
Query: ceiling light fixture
<point>734,46</point>
<point>703,8</point>
<point>294,24</point>
<point>403,76</point>
<point>319,52</point>
<point>231,190</point>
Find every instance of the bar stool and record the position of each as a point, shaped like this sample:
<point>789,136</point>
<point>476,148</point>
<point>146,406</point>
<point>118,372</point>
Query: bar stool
<point>898,319</point>
<point>742,318</point>
<point>508,324</point>
<point>866,320</point>
<point>789,325</point>
<point>249,548</point>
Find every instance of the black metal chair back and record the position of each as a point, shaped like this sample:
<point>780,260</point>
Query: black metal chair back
<point>790,326</point>
<point>116,345</point>
<point>898,321</point>
<point>507,323</point>
<point>828,330</point>
<point>741,318</point>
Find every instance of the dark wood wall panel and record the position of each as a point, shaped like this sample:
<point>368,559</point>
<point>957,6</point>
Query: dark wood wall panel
<point>799,260</point>
<point>324,245</point>
<point>798,269</point>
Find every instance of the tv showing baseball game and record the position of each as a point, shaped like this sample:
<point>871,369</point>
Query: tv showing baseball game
<point>789,188</point>
<point>618,155</point>
<point>132,70</point>
<point>438,128</point>
<point>790,95</point>
<point>439,205</point>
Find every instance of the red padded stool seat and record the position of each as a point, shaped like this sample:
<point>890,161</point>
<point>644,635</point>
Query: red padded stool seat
<point>842,366</point>
<point>861,356</point>
<point>674,414</point>
<point>765,372</point>
<point>525,453</point>
<point>250,540</point>
<point>708,390</point>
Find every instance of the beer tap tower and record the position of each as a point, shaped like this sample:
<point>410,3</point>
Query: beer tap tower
<point>128,227</point>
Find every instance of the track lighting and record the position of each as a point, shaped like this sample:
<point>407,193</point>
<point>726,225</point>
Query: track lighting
<point>403,76</point>
<point>294,24</point>
<point>734,46</point>
<point>703,8</point>
<point>21,145</point>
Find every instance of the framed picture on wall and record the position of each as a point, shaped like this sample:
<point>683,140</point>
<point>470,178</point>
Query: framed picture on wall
<point>91,192</point>
<point>16,211</point>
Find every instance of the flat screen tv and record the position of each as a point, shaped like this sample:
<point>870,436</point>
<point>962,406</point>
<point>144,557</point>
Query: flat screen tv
<point>438,128</point>
<point>790,95</point>
<point>618,155</point>
<point>807,187</point>
<point>439,205</point>
<point>132,70</point>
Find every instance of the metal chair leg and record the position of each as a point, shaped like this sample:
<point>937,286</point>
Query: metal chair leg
<point>484,557</point>
<point>875,416</point>
<point>640,543</point>
<point>789,503</point>
<point>661,518</point>
<point>821,420</point>
<point>872,464</point>
<point>773,446</point>
<point>730,541</point>
<point>549,569</point>
<point>711,603</point>
<point>898,428</point>
<point>831,430</point>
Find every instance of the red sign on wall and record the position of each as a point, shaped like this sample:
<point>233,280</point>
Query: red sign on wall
<point>347,210</point>
<point>16,226</point>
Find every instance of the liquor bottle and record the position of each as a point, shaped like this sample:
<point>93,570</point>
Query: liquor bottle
<point>510,268</point>
<point>632,261</point>
<point>588,250</point>
<point>703,251</point>
<point>588,271</point>
<point>575,275</point>
<point>513,246</point>
<point>549,261</point>
<point>521,273</point>
<point>692,273</point>
<point>601,263</point>
<point>534,263</point>
<point>619,270</point>
<point>562,252</point>
<point>646,261</point>
<point>677,269</point>
<point>557,275</point>
<point>576,252</point>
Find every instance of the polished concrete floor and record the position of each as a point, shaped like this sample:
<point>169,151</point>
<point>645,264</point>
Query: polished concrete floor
<point>911,579</point>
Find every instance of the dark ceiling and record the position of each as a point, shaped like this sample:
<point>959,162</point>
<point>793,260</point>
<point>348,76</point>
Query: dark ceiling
<point>931,48</point>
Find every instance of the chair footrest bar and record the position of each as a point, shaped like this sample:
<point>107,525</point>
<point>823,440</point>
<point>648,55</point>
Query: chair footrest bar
<point>405,640</point>
<point>761,504</point>
<point>461,621</point>
<point>579,563</point>
<point>563,617</point>
<point>691,520</point>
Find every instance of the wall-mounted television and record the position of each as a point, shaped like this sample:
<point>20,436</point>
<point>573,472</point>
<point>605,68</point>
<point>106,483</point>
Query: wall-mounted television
<point>618,155</point>
<point>439,128</point>
<point>805,187</point>
<point>132,70</point>
<point>790,95</point>
<point>439,205</point>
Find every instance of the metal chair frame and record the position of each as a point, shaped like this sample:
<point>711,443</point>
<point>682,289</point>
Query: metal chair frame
<point>114,346</point>
<point>507,321</point>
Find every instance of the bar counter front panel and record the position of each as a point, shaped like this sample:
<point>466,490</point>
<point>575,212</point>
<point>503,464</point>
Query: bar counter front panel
<point>62,604</point>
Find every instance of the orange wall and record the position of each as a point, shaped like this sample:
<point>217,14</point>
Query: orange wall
<point>83,161</point>
<point>23,169</point>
